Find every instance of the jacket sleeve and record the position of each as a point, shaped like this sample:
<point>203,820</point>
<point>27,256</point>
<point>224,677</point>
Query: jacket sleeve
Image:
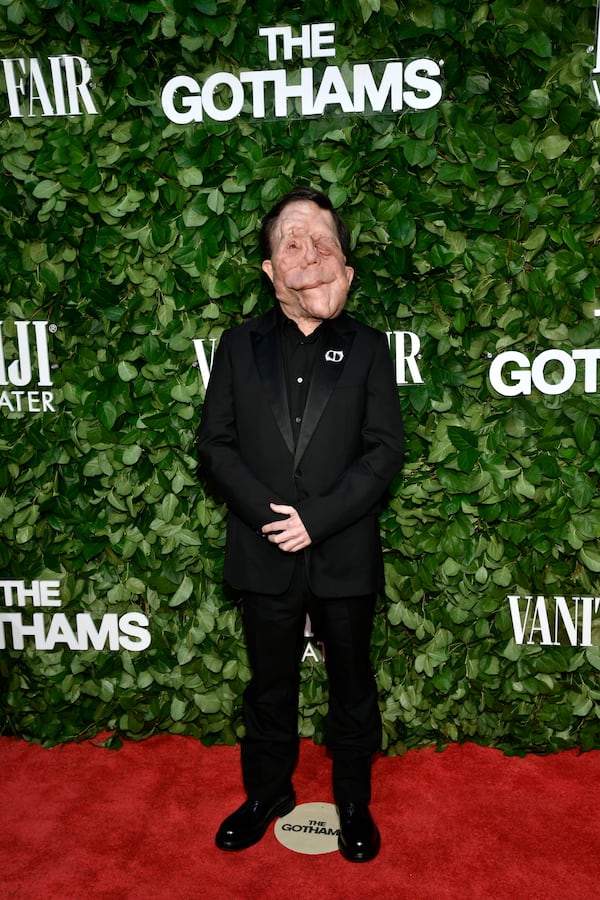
<point>361,487</point>
<point>218,447</point>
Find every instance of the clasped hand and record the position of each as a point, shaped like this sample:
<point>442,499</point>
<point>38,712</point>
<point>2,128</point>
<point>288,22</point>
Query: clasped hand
<point>289,534</point>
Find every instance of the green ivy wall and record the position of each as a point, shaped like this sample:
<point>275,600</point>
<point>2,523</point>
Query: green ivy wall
<point>475,227</point>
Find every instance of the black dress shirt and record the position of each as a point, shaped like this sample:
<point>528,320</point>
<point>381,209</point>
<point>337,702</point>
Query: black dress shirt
<point>300,352</point>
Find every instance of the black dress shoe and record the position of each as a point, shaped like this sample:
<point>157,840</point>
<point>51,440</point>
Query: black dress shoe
<point>248,824</point>
<point>359,839</point>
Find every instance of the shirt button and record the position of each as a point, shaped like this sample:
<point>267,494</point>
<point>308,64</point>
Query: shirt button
<point>298,419</point>
<point>299,380</point>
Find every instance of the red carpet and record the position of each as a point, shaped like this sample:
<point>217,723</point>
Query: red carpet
<point>79,821</point>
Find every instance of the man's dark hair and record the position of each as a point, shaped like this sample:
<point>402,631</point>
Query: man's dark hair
<point>314,196</point>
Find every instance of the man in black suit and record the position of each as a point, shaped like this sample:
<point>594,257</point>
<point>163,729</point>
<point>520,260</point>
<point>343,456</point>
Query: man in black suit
<point>301,431</point>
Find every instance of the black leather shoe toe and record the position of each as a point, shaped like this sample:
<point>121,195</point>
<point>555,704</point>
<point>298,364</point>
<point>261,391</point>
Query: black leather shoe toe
<point>247,825</point>
<point>359,839</point>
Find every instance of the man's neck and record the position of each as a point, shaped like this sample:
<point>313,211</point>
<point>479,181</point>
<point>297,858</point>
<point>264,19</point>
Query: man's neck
<point>305,324</point>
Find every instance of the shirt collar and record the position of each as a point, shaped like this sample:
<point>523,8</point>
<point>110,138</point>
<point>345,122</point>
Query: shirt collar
<point>290,328</point>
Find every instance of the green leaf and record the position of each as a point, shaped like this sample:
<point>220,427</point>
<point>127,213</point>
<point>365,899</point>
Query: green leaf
<point>183,592</point>
<point>539,43</point>
<point>553,145</point>
<point>107,690</point>
<point>418,153</point>
<point>216,202</point>
<point>537,103</point>
<point>190,177</point>
<point>126,371</point>
<point>522,148</point>
<point>178,709</point>
<point>209,703</point>
<point>45,189</point>
<point>461,438</point>
<point>131,454</point>
<point>584,430</point>
<point>590,557</point>
<point>107,414</point>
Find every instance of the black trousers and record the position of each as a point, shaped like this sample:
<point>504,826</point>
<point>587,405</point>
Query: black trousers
<point>274,629</point>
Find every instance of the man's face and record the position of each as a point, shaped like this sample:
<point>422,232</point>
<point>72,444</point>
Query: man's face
<point>307,267</point>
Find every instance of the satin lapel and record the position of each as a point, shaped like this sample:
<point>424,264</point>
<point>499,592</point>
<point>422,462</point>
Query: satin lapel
<point>324,379</point>
<point>269,363</point>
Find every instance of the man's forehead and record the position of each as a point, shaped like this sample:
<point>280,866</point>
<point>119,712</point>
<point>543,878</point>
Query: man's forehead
<point>304,215</point>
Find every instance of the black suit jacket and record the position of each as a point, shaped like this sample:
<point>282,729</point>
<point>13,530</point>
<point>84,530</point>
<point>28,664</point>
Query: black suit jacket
<point>349,449</point>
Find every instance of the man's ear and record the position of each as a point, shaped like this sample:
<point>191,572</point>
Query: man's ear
<point>267,268</point>
<point>349,274</point>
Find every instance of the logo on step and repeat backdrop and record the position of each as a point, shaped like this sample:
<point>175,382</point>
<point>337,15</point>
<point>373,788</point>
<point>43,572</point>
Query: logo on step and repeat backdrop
<point>50,87</point>
<point>25,368</point>
<point>28,613</point>
<point>596,51</point>
<point>286,91</point>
